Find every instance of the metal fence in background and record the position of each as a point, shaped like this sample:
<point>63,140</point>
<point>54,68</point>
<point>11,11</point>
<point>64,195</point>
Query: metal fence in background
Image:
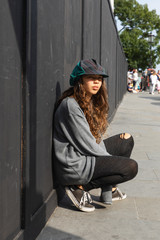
<point>40,43</point>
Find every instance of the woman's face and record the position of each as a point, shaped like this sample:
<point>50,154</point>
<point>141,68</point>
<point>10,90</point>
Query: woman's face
<point>92,84</point>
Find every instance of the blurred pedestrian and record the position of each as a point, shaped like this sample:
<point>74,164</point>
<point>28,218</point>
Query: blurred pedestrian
<point>144,81</point>
<point>153,82</point>
<point>135,78</point>
<point>158,81</point>
<point>129,76</point>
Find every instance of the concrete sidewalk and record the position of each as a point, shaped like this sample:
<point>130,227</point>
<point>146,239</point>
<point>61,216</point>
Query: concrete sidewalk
<point>138,216</point>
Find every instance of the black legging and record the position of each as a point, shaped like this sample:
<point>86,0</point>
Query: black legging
<point>115,169</point>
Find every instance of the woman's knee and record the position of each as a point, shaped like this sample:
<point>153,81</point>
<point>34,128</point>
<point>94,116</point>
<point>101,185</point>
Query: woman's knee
<point>128,138</point>
<point>133,168</point>
<point>125,135</point>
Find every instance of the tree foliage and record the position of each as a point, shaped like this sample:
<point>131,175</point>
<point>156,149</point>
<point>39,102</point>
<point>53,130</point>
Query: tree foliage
<point>137,22</point>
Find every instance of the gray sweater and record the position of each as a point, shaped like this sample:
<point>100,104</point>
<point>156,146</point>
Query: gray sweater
<point>75,147</point>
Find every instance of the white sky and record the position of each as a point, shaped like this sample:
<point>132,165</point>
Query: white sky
<point>152,4</point>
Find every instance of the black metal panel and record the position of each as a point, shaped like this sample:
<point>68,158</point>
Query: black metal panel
<point>92,29</point>
<point>106,37</point>
<point>107,52</point>
<point>10,117</point>
<point>72,37</point>
<point>121,73</point>
<point>112,58</point>
<point>44,67</point>
<point>112,79</point>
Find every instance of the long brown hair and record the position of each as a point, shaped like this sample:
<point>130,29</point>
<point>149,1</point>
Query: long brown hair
<point>95,109</point>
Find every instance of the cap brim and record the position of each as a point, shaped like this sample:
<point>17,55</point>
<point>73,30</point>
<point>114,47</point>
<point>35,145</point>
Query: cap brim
<point>101,74</point>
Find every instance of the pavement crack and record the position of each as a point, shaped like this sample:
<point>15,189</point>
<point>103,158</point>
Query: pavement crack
<point>135,204</point>
<point>155,174</point>
<point>147,156</point>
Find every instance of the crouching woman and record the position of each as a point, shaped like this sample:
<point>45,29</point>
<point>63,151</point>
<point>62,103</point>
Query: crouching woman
<point>83,161</point>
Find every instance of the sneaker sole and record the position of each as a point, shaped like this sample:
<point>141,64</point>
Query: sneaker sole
<point>107,203</point>
<point>76,203</point>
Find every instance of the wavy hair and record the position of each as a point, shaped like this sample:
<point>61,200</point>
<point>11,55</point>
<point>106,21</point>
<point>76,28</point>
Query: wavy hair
<point>95,109</point>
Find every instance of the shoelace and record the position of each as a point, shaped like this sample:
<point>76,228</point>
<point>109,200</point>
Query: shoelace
<point>85,198</point>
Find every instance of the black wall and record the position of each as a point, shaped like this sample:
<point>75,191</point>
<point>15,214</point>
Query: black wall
<point>11,39</point>
<point>40,43</point>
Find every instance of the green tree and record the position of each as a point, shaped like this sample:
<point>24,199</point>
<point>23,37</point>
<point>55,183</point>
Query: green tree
<point>137,23</point>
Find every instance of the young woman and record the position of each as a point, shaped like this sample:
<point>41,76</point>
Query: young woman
<point>83,161</point>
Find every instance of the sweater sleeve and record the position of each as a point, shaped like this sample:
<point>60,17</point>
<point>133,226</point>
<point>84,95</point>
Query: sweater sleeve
<point>77,131</point>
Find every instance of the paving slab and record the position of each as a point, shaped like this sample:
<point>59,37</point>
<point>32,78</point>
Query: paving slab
<point>137,217</point>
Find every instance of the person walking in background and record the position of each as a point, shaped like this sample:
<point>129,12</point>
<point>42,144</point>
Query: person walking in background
<point>148,77</point>
<point>153,82</point>
<point>144,81</point>
<point>135,78</point>
<point>129,76</point>
<point>158,81</point>
<point>82,159</point>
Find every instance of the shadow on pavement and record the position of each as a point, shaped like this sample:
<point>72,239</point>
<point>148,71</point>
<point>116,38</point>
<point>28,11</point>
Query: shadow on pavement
<point>50,233</point>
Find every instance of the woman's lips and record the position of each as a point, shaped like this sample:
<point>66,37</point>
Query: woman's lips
<point>95,88</point>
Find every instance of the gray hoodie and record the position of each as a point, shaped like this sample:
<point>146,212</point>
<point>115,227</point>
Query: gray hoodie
<point>75,147</point>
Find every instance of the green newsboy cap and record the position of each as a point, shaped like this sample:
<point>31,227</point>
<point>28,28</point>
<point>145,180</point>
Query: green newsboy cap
<point>86,67</point>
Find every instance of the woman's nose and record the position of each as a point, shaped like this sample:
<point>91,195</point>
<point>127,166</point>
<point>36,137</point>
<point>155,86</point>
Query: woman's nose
<point>96,80</point>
